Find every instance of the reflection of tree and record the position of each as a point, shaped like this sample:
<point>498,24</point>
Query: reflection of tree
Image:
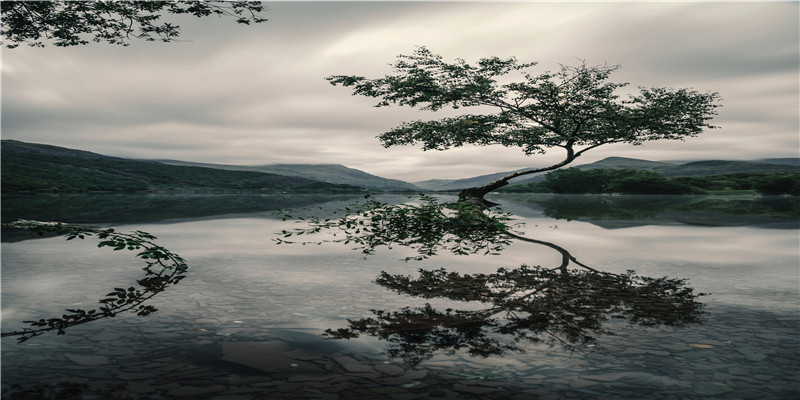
<point>427,227</point>
<point>526,304</point>
<point>560,305</point>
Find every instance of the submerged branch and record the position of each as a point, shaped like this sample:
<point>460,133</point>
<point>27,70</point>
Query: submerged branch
<point>171,270</point>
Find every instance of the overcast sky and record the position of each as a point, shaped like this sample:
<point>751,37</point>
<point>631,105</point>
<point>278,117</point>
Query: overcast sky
<point>256,94</point>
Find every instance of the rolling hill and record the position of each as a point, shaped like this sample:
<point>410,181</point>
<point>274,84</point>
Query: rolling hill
<point>458,184</point>
<point>37,167</point>
<point>28,167</point>
<point>331,173</point>
<point>670,169</point>
<point>720,167</point>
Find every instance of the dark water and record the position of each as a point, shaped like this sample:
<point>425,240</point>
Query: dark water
<point>247,322</point>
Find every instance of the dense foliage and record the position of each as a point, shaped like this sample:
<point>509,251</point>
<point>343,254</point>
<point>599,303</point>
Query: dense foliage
<point>72,23</point>
<point>32,172</point>
<point>779,184</point>
<point>632,181</point>
<point>575,109</point>
<point>427,227</point>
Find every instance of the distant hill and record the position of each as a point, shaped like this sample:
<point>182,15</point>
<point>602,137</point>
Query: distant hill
<point>15,146</point>
<point>458,184</point>
<point>697,168</point>
<point>331,173</point>
<point>784,161</point>
<point>626,163</point>
<point>28,167</point>
<point>610,162</point>
<point>721,167</point>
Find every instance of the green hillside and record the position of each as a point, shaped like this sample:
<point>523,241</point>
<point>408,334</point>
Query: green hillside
<point>720,167</point>
<point>626,163</point>
<point>39,168</point>
<point>639,181</point>
<point>458,184</point>
<point>331,173</point>
<point>697,168</point>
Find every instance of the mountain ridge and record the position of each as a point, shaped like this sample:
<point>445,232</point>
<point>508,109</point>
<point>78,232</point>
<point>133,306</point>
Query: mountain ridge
<point>331,173</point>
<point>28,167</point>
<point>340,174</point>
<point>666,168</point>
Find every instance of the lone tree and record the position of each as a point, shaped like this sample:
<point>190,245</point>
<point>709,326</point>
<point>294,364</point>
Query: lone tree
<point>576,109</point>
<point>70,23</point>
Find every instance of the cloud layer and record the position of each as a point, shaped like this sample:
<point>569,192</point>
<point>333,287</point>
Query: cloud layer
<point>256,94</point>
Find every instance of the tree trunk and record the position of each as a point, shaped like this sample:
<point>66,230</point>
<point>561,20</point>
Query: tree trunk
<point>476,193</point>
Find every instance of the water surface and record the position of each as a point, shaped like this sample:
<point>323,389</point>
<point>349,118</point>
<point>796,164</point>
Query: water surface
<point>246,323</point>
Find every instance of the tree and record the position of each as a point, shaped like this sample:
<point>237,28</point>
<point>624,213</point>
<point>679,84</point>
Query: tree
<point>575,109</point>
<point>780,184</point>
<point>649,182</point>
<point>71,23</point>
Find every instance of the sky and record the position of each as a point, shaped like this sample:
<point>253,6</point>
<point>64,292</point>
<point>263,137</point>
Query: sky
<point>251,95</point>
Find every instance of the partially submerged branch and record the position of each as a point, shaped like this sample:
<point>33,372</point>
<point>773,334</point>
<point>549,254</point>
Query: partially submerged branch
<point>427,227</point>
<point>163,269</point>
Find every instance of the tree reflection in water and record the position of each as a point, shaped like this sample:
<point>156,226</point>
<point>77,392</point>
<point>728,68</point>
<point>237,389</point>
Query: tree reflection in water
<point>563,305</point>
<point>557,306</point>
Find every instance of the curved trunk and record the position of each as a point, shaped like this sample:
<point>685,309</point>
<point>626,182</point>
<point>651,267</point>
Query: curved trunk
<point>479,191</point>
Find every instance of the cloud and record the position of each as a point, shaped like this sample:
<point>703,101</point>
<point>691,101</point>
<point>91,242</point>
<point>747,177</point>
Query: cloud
<point>254,95</point>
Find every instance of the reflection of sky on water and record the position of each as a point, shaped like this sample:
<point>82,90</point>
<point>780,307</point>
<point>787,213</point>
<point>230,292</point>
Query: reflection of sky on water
<point>242,286</point>
<point>737,265</point>
<point>237,256</point>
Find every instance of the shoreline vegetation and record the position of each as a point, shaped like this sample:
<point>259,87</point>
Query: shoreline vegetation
<point>633,182</point>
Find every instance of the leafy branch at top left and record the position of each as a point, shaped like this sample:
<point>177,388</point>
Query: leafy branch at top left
<point>163,269</point>
<point>71,23</point>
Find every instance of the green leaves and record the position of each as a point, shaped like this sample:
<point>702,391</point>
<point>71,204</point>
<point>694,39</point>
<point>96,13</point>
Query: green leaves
<point>426,226</point>
<point>172,271</point>
<point>73,23</point>
<point>576,108</point>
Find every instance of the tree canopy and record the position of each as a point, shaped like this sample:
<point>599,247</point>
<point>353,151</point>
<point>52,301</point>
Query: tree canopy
<point>576,109</point>
<point>73,23</point>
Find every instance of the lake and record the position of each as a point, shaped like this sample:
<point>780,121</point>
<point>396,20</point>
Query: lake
<point>247,322</point>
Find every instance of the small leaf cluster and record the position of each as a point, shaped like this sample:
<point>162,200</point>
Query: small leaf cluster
<point>427,226</point>
<point>72,23</point>
<point>163,269</point>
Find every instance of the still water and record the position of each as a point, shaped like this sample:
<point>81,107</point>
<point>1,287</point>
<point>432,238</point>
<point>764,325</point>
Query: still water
<point>247,322</point>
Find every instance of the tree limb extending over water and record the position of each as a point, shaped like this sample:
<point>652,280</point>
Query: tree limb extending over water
<point>72,23</point>
<point>575,109</point>
<point>163,269</point>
